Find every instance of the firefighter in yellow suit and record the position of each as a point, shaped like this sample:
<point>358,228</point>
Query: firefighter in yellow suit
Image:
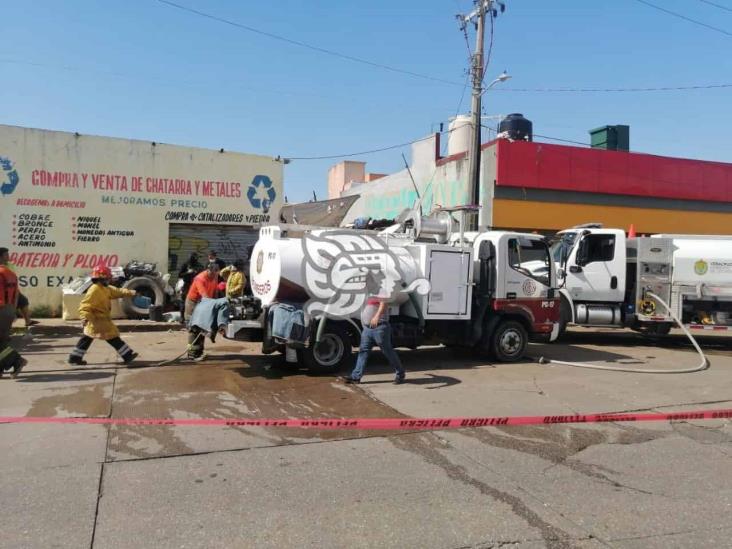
<point>235,279</point>
<point>96,316</point>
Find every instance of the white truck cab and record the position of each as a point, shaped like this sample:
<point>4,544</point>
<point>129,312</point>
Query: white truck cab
<point>594,261</point>
<point>608,279</point>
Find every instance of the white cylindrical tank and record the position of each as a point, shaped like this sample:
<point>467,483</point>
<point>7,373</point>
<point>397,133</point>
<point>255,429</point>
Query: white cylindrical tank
<point>327,264</point>
<point>275,268</point>
<point>702,260</point>
<point>458,140</point>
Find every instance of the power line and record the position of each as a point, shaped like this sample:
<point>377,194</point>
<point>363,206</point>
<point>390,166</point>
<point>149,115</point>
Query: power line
<point>680,16</point>
<point>372,151</point>
<point>309,46</point>
<point>462,95</point>
<point>720,6</point>
<point>193,84</point>
<point>467,75</point>
<point>613,90</point>
<point>562,140</point>
<point>360,153</point>
<point>490,45</point>
<point>400,145</point>
<point>550,138</point>
<point>197,84</point>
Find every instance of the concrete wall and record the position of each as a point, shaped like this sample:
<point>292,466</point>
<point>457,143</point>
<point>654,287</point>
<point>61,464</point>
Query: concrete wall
<point>343,174</point>
<point>441,181</point>
<point>69,202</point>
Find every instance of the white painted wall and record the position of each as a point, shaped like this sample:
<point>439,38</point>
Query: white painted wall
<point>67,201</point>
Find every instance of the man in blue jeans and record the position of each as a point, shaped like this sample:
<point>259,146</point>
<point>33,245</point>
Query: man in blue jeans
<point>376,331</point>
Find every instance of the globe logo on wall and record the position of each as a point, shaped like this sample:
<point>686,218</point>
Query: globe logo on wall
<point>261,186</point>
<point>9,177</point>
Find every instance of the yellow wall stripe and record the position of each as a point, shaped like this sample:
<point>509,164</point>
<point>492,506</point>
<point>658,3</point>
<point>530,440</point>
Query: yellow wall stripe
<point>553,215</point>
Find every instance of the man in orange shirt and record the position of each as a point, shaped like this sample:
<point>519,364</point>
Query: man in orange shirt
<point>9,358</point>
<point>205,285</point>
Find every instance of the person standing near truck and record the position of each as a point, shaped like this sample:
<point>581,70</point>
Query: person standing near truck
<point>9,357</point>
<point>205,285</point>
<point>95,311</point>
<point>235,279</point>
<point>376,331</point>
<point>187,273</point>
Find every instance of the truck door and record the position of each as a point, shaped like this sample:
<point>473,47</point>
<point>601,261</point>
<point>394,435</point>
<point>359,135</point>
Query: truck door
<point>596,267</point>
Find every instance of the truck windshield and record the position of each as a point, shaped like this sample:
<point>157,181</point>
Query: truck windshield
<point>530,258</point>
<point>562,246</point>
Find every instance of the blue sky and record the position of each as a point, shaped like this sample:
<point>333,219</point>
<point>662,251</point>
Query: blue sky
<point>142,69</point>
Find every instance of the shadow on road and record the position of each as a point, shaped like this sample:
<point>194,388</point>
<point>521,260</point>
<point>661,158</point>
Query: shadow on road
<point>627,338</point>
<point>432,379</point>
<point>48,377</point>
<point>559,351</point>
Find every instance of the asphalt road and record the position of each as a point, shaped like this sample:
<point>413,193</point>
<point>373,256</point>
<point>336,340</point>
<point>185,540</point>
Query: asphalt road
<point>617,485</point>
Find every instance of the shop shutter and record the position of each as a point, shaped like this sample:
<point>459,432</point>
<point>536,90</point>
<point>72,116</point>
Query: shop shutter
<point>230,242</point>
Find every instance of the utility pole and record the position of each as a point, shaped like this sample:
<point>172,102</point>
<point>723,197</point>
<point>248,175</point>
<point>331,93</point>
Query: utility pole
<point>482,7</point>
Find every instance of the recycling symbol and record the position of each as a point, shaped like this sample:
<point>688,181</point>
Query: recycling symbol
<point>261,184</point>
<point>10,179</point>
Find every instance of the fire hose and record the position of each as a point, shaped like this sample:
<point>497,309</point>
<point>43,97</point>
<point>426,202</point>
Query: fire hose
<point>702,366</point>
<point>189,346</point>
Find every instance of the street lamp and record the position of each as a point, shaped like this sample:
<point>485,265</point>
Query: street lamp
<point>501,78</point>
<point>475,142</point>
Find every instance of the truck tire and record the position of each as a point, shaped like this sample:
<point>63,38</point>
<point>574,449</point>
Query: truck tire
<point>144,286</point>
<point>332,353</point>
<point>509,340</point>
<point>656,329</point>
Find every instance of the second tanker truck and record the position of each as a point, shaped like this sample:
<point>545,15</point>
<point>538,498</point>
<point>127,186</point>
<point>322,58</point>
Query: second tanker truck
<point>606,279</point>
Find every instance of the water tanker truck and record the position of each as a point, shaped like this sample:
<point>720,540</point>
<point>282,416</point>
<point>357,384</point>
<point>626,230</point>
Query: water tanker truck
<point>608,279</point>
<point>489,291</point>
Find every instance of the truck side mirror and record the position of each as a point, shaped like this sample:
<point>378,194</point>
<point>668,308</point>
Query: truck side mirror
<point>575,269</point>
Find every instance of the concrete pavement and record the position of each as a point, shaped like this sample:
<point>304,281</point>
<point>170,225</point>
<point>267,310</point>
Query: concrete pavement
<point>610,485</point>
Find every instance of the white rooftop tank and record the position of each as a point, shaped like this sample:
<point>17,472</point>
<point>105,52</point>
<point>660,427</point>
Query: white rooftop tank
<point>458,140</point>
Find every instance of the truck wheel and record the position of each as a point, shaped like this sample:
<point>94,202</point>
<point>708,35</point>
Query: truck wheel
<point>565,316</point>
<point>332,353</point>
<point>146,287</point>
<point>508,342</point>
<point>656,329</point>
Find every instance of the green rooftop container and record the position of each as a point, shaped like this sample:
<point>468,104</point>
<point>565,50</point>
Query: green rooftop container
<point>611,138</point>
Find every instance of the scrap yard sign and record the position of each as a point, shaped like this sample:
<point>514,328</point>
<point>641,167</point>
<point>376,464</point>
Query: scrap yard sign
<point>69,202</point>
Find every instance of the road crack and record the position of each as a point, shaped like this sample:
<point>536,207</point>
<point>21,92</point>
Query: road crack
<point>100,488</point>
<point>426,446</point>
